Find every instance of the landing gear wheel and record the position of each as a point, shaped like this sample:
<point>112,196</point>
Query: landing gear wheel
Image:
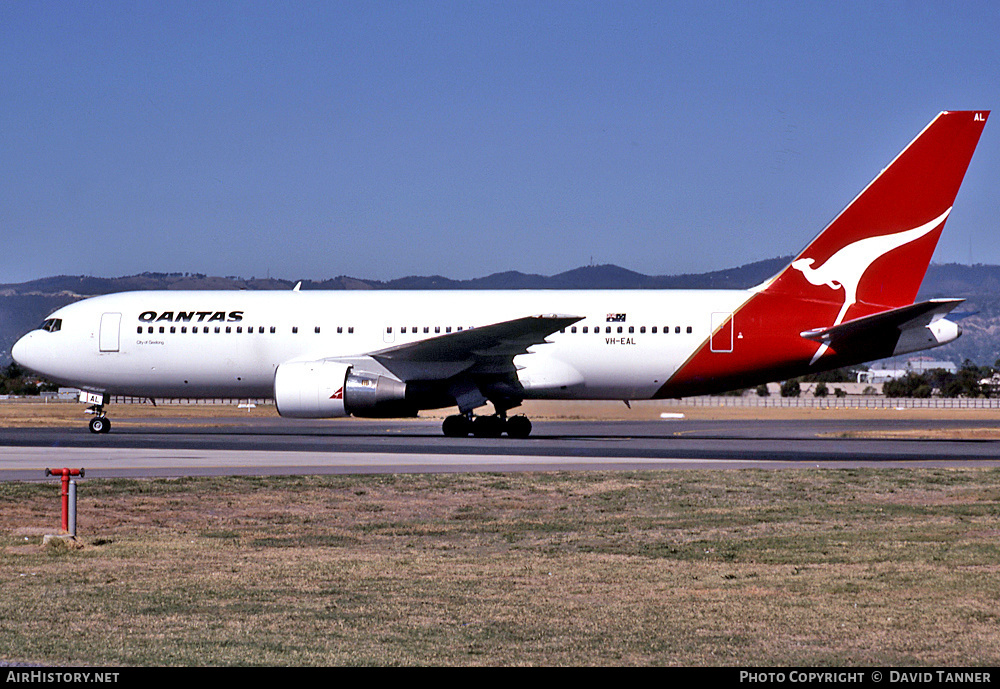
<point>457,426</point>
<point>518,427</point>
<point>100,424</point>
<point>488,427</point>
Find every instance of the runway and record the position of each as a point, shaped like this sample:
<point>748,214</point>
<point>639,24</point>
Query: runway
<point>258,446</point>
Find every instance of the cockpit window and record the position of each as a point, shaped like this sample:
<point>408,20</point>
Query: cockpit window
<point>52,325</point>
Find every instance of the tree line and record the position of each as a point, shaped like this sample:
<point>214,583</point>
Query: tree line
<point>14,380</point>
<point>971,380</point>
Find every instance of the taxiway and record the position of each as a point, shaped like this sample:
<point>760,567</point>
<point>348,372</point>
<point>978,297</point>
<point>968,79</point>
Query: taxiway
<point>153,447</point>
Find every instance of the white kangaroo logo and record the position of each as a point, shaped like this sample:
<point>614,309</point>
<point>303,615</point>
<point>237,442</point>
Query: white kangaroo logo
<point>846,267</point>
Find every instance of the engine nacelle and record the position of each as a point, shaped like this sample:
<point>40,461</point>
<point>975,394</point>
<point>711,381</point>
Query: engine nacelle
<point>326,389</point>
<point>937,333</point>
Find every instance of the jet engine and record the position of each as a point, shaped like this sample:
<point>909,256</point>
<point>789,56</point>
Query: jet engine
<point>325,389</point>
<point>938,332</point>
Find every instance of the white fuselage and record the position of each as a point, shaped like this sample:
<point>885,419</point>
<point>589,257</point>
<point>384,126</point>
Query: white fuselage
<point>230,343</point>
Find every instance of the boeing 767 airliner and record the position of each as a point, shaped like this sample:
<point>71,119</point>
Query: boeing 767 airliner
<point>847,298</point>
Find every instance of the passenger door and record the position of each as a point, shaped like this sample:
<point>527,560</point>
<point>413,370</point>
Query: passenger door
<point>109,335</point>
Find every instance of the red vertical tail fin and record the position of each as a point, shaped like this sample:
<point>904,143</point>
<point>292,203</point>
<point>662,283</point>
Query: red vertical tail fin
<point>876,251</point>
<point>863,271</point>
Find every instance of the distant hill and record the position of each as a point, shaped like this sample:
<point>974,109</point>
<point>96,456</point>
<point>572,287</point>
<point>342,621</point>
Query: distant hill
<point>24,305</point>
<point>589,277</point>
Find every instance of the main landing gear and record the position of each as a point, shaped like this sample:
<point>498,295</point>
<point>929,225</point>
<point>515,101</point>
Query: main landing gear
<point>462,425</point>
<point>100,423</point>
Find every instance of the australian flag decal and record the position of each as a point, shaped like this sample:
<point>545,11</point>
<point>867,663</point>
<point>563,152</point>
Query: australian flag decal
<point>616,318</point>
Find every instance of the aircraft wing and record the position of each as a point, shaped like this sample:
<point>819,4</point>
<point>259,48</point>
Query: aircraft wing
<point>893,321</point>
<point>486,349</point>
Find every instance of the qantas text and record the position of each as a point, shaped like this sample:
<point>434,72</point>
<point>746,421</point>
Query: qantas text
<point>188,316</point>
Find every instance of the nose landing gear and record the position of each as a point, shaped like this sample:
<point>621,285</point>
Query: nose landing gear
<point>100,423</point>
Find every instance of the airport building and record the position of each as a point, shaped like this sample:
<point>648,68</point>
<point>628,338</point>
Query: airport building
<point>917,364</point>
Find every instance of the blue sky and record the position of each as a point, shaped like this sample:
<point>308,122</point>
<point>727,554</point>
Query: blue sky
<point>385,139</point>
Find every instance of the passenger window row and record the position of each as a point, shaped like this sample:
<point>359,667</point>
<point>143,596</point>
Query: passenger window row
<point>427,329</point>
<point>631,329</point>
<point>238,329</point>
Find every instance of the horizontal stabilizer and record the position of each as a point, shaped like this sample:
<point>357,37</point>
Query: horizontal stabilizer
<point>903,318</point>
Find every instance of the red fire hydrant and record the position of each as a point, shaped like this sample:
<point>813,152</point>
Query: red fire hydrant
<point>66,473</point>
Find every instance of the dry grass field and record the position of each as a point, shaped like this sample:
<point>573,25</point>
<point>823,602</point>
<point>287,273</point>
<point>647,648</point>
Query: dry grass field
<point>32,413</point>
<point>761,568</point>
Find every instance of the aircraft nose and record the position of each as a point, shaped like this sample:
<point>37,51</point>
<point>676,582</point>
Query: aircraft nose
<point>20,352</point>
